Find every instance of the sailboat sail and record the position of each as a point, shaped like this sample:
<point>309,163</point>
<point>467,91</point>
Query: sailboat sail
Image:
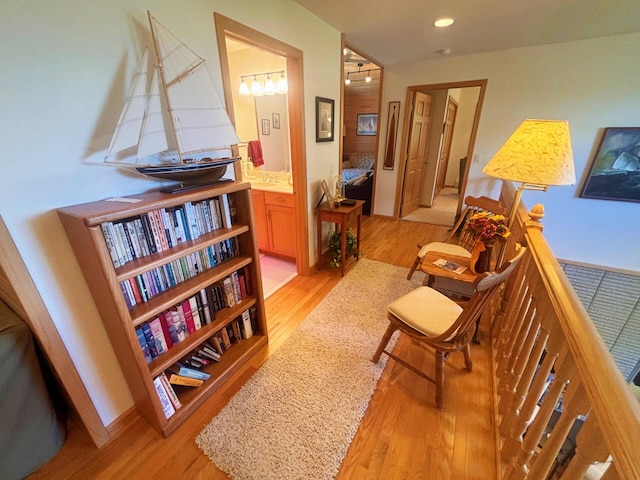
<point>130,123</point>
<point>152,137</point>
<point>182,111</point>
<point>200,120</point>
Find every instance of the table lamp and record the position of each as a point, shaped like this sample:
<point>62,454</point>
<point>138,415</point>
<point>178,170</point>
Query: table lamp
<point>538,154</point>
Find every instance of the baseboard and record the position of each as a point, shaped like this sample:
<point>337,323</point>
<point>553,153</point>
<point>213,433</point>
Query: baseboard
<point>123,423</point>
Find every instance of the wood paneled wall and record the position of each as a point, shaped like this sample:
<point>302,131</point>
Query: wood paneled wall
<point>359,99</point>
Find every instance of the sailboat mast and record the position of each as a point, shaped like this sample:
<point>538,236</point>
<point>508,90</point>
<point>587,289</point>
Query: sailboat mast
<point>164,84</point>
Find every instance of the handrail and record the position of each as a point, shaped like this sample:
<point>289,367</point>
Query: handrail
<point>544,329</point>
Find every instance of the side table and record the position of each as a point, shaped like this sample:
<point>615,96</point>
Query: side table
<point>340,216</point>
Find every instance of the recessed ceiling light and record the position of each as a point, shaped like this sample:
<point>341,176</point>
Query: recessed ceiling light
<point>444,51</point>
<point>443,22</point>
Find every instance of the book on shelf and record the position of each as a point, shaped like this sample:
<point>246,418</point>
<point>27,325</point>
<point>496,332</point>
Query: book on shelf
<point>158,335</point>
<point>247,329</point>
<point>170,334</point>
<point>253,314</point>
<point>235,324</point>
<point>185,381</point>
<point>230,296</point>
<point>449,265</point>
<point>219,342</point>
<point>208,354</point>
<point>167,406</point>
<point>185,371</point>
<point>151,341</point>
<point>195,312</point>
<point>226,211</point>
<point>185,310</point>
<point>224,333</point>
<point>143,345</point>
<point>171,393</point>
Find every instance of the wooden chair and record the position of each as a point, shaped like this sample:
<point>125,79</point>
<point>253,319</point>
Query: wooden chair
<point>459,242</point>
<point>433,319</point>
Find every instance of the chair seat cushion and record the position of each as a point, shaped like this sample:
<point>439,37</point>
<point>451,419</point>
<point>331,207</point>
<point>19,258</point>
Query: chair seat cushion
<point>426,310</point>
<point>448,248</point>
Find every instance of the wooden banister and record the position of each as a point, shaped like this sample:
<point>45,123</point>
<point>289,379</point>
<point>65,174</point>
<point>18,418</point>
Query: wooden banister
<point>550,360</point>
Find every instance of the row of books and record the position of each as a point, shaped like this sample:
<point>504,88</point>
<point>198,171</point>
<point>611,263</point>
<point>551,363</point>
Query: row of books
<point>171,327</point>
<point>142,287</point>
<point>160,230</point>
<point>189,371</point>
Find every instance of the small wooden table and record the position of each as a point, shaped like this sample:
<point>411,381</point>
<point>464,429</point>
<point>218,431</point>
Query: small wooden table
<point>340,215</point>
<point>433,271</point>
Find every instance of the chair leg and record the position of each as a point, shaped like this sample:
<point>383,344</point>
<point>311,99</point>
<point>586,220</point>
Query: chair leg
<point>467,357</point>
<point>383,343</point>
<point>413,268</point>
<point>440,358</point>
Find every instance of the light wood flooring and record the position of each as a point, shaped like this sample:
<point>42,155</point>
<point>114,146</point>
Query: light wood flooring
<point>402,435</point>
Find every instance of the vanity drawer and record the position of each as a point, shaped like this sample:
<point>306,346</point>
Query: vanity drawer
<point>275,198</point>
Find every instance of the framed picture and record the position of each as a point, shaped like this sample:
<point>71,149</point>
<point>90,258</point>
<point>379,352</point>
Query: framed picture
<point>392,133</point>
<point>367,124</point>
<point>266,128</point>
<point>615,170</point>
<point>327,194</point>
<point>324,119</point>
<point>275,120</point>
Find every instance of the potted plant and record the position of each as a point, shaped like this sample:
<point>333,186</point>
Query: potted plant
<point>334,241</point>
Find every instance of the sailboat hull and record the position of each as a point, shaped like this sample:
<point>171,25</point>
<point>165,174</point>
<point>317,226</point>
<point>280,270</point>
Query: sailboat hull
<point>199,173</point>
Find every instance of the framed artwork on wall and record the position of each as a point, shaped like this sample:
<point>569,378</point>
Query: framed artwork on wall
<point>367,124</point>
<point>275,119</point>
<point>392,133</point>
<point>324,119</point>
<point>614,173</point>
<point>266,128</point>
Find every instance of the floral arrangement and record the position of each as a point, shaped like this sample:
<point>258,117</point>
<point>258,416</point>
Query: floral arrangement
<point>488,227</point>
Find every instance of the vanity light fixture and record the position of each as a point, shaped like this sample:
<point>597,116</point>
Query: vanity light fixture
<point>256,87</point>
<point>269,87</point>
<point>244,88</point>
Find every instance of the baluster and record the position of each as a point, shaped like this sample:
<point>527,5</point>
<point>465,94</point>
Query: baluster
<point>524,357</point>
<point>590,448</point>
<point>518,425</point>
<point>513,287</point>
<point>518,467</point>
<point>576,403</point>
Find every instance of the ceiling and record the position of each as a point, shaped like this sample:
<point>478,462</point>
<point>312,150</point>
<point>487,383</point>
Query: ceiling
<point>390,32</point>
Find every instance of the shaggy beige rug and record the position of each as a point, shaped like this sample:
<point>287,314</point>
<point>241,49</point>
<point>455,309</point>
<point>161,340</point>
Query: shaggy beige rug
<point>296,417</point>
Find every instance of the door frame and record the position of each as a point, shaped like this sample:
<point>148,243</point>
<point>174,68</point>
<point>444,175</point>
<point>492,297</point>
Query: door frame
<point>226,27</point>
<point>482,83</point>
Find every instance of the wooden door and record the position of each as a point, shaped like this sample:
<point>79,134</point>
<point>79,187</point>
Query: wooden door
<point>260,219</point>
<point>417,153</point>
<point>445,147</point>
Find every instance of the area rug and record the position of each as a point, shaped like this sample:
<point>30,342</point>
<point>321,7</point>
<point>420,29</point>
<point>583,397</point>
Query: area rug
<point>442,212</point>
<point>296,417</point>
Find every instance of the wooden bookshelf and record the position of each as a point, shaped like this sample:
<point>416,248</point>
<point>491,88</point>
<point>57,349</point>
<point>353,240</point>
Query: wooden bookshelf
<point>83,225</point>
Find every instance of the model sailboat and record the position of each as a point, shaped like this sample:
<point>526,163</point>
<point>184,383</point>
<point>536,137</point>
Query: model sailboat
<point>177,122</point>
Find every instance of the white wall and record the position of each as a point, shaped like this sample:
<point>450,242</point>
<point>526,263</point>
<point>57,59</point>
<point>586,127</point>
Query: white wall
<point>593,84</point>
<point>66,67</point>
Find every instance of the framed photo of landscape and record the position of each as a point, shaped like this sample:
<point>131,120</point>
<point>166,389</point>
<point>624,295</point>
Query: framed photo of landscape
<point>324,119</point>
<point>614,173</point>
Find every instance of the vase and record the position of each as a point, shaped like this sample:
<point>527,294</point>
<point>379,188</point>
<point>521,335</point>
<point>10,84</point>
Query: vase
<point>480,258</point>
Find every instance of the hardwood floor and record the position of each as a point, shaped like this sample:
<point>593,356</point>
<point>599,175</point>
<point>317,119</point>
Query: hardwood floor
<point>401,436</point>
